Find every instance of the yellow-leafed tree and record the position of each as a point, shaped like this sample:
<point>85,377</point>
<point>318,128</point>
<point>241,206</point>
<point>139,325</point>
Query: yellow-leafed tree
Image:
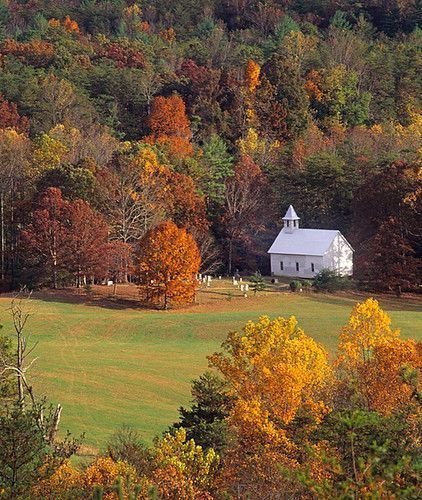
<point>276,374</point>
<point>372,357</point>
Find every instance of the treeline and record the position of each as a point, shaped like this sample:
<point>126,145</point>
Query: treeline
<point>215,116</point>
<point>275,419</point>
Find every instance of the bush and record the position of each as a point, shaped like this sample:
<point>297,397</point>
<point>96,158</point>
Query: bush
<point>306,285</point>
<point>330,281</point>
<point>295,285</point>
<point>258,282</point>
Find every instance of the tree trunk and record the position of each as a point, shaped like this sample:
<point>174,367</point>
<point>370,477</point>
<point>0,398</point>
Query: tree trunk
<point>230,256</point>
<point>20,368</point>
<point>54,273</point>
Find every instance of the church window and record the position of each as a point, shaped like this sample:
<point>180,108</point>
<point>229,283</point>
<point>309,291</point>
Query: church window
<point>312,267</point>
<point>297,266</point>
<point>281,266</point>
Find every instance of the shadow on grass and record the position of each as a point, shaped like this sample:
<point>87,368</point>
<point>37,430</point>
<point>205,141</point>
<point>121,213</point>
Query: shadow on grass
<point>390,302</point>
<point>81,297</point>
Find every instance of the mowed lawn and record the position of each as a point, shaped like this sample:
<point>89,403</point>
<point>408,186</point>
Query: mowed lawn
<point>109,366</point>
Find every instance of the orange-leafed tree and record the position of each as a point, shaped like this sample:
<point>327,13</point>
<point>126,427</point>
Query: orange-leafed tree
<point>70,25</point>
<point>168,263</point>
<point>276,375</point>
<point>185,206</point>
<point>170,125</point>
<point>252,72</point>
<point>10,118</point>
<point>38,53</point>
<point>372,358</point>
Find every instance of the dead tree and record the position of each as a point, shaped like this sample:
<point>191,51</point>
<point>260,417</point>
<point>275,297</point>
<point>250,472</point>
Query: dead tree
<point>20,367</point>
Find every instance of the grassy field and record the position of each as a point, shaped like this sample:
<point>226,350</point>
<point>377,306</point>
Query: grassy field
<point>110,364</point>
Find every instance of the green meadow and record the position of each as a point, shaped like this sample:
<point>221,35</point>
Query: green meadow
<point>114,365</point>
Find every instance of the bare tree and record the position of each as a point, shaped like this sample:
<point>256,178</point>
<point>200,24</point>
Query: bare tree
<point>22,363</point>
<point>246,201</point>
<point>135,201</point>
<point>209,250</point>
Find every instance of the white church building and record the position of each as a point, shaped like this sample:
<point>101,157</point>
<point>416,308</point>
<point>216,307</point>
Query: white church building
<point>302,253</point>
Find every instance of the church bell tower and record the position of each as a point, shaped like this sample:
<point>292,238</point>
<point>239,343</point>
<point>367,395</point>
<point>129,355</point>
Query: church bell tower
<point>291,220</point>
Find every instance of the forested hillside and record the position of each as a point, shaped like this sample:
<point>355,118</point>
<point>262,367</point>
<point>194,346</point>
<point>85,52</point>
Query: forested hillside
<point>116,116</point>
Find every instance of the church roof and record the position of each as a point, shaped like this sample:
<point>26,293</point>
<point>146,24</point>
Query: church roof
<point>304,241</point>
<point>291,214</point>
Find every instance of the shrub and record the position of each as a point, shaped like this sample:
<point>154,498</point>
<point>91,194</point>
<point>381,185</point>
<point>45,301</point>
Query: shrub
<point>306,285</point>
<point>258,282</point>
<point>330,281</point>
<point>295,285</point>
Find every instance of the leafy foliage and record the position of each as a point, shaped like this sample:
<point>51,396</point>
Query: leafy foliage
<point>330,281</point>
<point>169,261</point>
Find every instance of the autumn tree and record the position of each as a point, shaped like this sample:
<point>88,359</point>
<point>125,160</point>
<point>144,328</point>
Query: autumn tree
<point>168,263</point>
<point>386,226</point>
<point>252,73</point>
<point>170,125</point>
<point>183,204</point>
<point>205,96</point>
<point>371,358</point>
<point>183,469</point>
<point>246,202</point>
<point>144,192</point>
<point>45,234</point>
<point>38,53</point>
<point>55,101</point>
<point>10,118</point>
<point>15,148</point>
<point>335,95</point>
<point>136,191</point>
<point>276,374</point>
<point>86,242</point>
<point>49,153</point>
<point>67,236</point>
<point>289,91</point>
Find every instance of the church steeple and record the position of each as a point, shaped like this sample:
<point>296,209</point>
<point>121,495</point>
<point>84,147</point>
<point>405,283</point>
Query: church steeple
<point>291,220</point>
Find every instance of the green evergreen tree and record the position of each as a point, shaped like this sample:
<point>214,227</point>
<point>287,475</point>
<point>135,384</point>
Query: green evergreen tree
<point>219,166</point>
<point>258,282</point>
<point>204,421</point>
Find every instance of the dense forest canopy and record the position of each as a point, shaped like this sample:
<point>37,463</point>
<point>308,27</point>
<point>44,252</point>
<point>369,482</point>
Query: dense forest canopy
<point>215,115</point>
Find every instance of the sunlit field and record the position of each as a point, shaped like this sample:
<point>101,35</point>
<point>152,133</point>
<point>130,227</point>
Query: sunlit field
<point>109,362</point>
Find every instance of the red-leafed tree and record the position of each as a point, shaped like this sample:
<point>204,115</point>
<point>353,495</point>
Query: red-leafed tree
<point>67,236</point>
<point>10,118</point>
<point>123,57</point>
<point>86,242</point>
<point>46,234</point>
